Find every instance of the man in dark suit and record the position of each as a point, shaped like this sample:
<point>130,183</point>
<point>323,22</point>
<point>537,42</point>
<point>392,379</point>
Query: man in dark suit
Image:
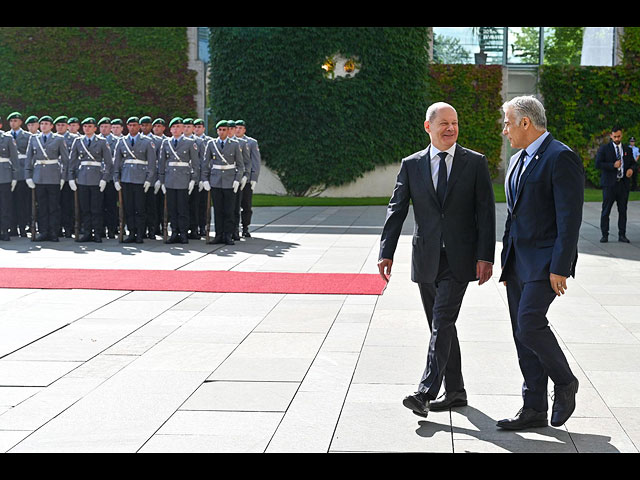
<point>616,163</point>
<point>545,193</point>
<point>453,244</point>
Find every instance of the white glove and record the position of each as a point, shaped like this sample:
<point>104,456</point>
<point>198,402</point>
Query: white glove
<point>13,184</point>
<point>236,184</point>
<point>253,184</point>
<point>72,185</point>
<point>243,182</point>
<point>103,185</point>
<point>164,189</point>
<point>117,186</point>
<point>156,187</point>
<point>61,184</point>
<point>30,183</point>
<point>147,184</point>
<point>200,186</point>
<point>192,184</point>
<point>206,185</point>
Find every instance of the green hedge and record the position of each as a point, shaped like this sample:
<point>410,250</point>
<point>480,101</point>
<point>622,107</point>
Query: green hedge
<point>313,131</point>
<point>96,71</point>
<point>475,92</point>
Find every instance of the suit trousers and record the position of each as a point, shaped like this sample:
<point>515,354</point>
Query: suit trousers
<point>5,207</point>
<point>223,204</point>
<point>21,215</point>
<point>178,208</point>
<point>442,301</point>
<point>247,212</point>
<point>110,207</point>
<point>134,207</point>
<point>539,354</point>
<point>618,193</point>
<point>67,208</point>
<point>48,204</point>
<point>91,202</point>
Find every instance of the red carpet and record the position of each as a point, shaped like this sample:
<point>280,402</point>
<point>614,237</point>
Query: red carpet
<point>193,281</point>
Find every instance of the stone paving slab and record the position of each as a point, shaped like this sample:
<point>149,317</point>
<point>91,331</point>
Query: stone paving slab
<point>109,371</point>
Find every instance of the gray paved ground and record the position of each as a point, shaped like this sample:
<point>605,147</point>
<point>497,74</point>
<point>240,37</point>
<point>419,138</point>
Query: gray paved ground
<point>117,371</point>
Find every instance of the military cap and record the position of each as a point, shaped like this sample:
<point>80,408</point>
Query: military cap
<point>73,120</point>
<point>46,118</point>
<point>240,123</point>
<point>116,121</point>
<point>145,119</point>
<point>104,120</point>
<point>133,120</point>
<point>188,121</point>
<point>60,119</point>
<point>231,123</point>
<point>14,115</point>
<point>222,123</point>
<point>31,119</point>
<point>632,139</point>
<point>159,121</point>
<point>198,121</point>
<point>89,120</point>
<point>175,120</point>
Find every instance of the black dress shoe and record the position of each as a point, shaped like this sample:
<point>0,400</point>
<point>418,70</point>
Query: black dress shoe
<point>84,238</point>
<point>449,400</point>
<point>604,239</point>
<point>5,237</point>
<point>97,238</point>
<point>623,239</point>
<point>42,237</point>
<point>53,238</point>
<point>184,238</point>
<point>193,235</point>
<point>246,234</point>
<point>67,234</point>
<point>129,239</point>
<point>418,403</point>
<point>139,239</point>
<point>173,238</point>
<point>564,402</point>
<point>525,418</point>
<point>235,236</point>
<point>111,234</point>
<point>217,239</point>
<point>228,239</point>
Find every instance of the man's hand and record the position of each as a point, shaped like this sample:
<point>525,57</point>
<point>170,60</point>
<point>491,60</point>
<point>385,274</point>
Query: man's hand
<point>384,266</point>
<point>629,173</point>
<point>616,164</point>
<point>558,283</point>
<point>484,270</point>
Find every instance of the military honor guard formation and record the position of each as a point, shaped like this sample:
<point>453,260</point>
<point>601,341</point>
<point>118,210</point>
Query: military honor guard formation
<point>58,181</point>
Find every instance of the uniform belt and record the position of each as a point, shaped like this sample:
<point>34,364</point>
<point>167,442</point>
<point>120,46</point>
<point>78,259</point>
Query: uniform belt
<point>22,155</point>
<point>223,167</point>
<point>47,162</point>
<point>179,164</point>
<point>5,160</point>
<point>137,162</point>
<point>90,163</point>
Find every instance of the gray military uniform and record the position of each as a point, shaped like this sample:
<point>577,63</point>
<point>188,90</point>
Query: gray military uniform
<point>222,166</point>
<point>256,160</point>
<point>47,162</point>
<point>8,158</point>
<point>178,165</point>
<point>137,164</point>
<point>90,164</point>
<point>22,141</point>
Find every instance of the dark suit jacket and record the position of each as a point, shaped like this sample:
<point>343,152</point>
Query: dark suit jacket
<point>466,221</point>
<point>544,223</point>
<point>606,157</point>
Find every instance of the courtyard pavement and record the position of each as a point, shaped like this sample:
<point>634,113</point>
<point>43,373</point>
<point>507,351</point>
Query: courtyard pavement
<point>122,371</point>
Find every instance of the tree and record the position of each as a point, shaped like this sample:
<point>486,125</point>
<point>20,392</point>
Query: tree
<point>447,50</point>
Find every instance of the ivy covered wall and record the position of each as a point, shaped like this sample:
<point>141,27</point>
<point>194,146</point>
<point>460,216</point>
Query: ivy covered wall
<point>96,71</point>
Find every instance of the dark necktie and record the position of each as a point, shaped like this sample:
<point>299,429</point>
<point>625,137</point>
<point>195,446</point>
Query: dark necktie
<point>175,143</point>
<point>132,141</point>
<point>619,173</point>
<point>515,182</point>
<point>45,138</point>
<point>88,143</point>
<point>14,134</point>
<point>441,189</point>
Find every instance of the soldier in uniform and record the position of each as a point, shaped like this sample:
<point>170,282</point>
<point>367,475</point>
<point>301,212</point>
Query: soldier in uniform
<point>135,165</point>
<point>45,170</point>
<point>247,194</point>
<point>90,167</point>
<point>194,198</point>
<point>21,197</point>
<point>199,132</point>
<point>245,167</point>
<point>67,203</point>
<point>151,215</point>
<point>74,126</point>
<point>109,196</point>
<point>158,127</point>
<point>32,124</point>
<point>221,175</point>
<point>178,170</point>
<point>8,180</point>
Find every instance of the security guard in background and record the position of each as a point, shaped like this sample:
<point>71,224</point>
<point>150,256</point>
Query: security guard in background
<point>90,167</point>
<point>45,170</point>
<point>199,132</point>
<point>178,171</point>
<point>247,194</point>
<point>151,214</point>
<point>221,175</point>
<point>158,127</point>
<point>8,180</point>
<point>21,196</point>
<point>135,165</point>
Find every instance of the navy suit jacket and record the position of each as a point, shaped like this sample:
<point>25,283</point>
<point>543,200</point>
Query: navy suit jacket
<point>606,157</point>
<point>543,224</point>
<point>466,221</point>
